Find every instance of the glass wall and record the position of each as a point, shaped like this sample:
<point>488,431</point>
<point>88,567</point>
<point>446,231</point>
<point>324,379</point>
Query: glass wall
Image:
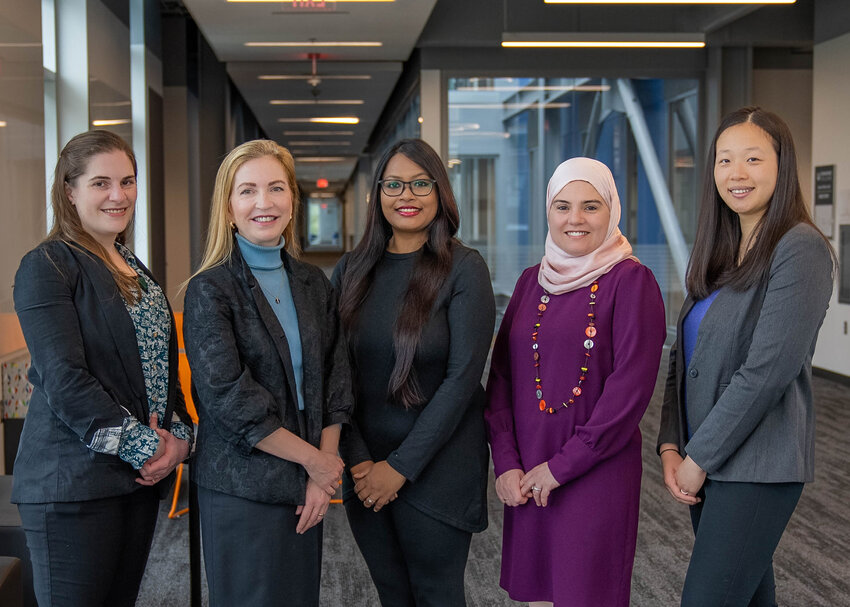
<point>507,135</point>
<point>22,171</point>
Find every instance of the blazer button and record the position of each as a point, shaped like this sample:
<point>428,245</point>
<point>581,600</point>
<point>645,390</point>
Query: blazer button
<point>693,372</point>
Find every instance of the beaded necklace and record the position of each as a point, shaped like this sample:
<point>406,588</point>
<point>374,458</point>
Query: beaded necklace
<point>589,332</point>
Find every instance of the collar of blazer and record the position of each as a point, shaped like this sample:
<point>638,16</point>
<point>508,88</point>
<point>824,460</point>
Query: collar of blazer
<point>117,319</point>
<point>299,280</point>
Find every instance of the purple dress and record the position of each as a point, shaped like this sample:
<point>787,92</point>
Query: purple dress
<point>579,550</point>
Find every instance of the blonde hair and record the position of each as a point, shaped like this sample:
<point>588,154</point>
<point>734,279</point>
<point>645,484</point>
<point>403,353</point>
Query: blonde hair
<point>73,162</point>
<point>219,246</point>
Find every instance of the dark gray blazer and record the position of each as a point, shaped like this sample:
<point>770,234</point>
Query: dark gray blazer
<point>85,368</point>
<point>243,382</point>
<point>749,392</point>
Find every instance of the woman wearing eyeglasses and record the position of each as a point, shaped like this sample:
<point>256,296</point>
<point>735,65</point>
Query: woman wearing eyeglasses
<point>418,310</point>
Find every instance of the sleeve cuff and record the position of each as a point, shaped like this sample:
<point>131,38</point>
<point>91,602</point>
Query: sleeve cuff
<point>258,433</point>
<point>138,443</point>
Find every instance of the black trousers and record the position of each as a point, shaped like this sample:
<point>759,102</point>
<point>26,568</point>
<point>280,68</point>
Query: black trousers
<point>414,559</point>
<point>737,527</point>
<point>252,555</point>
<point>91,553</point>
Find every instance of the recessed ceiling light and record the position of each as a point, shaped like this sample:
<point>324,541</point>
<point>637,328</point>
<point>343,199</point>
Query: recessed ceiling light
<point>316,102</point>
<point>319,143</point>
<point>312,43</point>
<point>602,40</point>
<point>322,158</point>
<point>2,123</point>
<point>316,133</point>
<point>669,1</point>
<point>279,1</point>
<point>110,122</point>
<point>312,76</point>
<point>324,120</point>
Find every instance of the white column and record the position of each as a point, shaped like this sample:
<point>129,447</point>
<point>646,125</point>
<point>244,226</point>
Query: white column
<point>141,138</point>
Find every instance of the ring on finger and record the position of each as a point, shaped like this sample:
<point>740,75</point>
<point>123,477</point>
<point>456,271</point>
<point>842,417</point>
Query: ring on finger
<point>536,489</point>
<point>684,492</point>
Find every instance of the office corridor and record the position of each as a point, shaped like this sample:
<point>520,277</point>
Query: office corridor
<point>812,562</point>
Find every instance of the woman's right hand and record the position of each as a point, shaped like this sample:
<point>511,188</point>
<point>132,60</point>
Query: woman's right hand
<point>670,462</point>
<point>325,469</point>
<point>508,489</point>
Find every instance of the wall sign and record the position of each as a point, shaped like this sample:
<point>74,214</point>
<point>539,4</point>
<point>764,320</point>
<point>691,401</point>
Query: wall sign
<point>825,199</point>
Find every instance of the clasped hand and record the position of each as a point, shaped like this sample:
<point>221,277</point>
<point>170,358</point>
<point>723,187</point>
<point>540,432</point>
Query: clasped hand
<point>376,484</point>
<point>541,479</point>
<point>683,478</point>
<point>169,452</point>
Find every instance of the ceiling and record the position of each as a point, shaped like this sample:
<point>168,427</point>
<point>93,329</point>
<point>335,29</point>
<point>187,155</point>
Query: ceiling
<point>285,86</point>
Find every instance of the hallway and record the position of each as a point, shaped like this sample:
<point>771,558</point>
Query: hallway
<point>811,563</point>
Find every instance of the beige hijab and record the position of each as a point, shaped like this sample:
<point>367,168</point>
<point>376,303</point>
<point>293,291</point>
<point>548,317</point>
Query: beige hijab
<point>561,272</point>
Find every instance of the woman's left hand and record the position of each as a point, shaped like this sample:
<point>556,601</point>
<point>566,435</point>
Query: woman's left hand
<point>539,483</point>
<point>315,506</point>
<point>380,486</point>
<point>690,477</point>
<point>173,451</point>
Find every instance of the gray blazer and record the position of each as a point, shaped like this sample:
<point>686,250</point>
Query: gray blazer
<point>749,383</point>
<point>243,381</point>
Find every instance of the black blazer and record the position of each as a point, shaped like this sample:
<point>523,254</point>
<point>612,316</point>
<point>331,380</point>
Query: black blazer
<point>85,368</point>
<point>243,382</point>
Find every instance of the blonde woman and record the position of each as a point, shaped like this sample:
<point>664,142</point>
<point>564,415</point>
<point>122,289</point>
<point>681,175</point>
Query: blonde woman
<point>272,384</point>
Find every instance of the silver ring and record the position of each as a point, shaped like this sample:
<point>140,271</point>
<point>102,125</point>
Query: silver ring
<point>320,514</point>
<point>535,488</point>
<point>369,501</point>
<point>684,492</point>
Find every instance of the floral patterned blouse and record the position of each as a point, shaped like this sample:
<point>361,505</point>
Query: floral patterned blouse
<point>135,442</point>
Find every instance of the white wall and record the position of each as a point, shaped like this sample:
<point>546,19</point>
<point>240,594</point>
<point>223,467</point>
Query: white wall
<point>830,138</point>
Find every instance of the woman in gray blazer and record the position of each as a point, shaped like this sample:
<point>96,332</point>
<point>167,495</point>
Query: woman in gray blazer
<point>737,428</point>
<point>107,424</point>
<point>271,379</point>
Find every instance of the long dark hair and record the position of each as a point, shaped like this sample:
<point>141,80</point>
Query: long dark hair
<point>714,260</point>
<point>67,227</point>
<point>429,274</point>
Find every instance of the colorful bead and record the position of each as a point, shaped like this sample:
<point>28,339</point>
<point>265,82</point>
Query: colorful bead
<point>589,332</point>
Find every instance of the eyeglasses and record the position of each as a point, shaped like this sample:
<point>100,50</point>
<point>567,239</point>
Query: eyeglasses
<point>418,187</point>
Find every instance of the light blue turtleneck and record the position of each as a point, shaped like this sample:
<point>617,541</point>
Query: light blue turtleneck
<point>267,266</point>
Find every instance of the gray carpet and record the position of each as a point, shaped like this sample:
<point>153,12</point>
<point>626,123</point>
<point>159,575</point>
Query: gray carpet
<point>812,562</point>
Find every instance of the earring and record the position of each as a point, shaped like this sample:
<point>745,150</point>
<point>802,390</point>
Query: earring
<point>232,226</point>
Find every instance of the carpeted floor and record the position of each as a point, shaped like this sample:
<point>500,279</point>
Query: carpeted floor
<point>812,562</point>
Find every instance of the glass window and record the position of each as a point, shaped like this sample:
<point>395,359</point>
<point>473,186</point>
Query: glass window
<point>507,136</point>
<point>22,208</point>
<point>109,71</point>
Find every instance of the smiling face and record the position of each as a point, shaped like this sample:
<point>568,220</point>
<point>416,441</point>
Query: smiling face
<point>745,170</point>
<point>408,215</point>
<point>578,219</point>
<point>105,196</point>
<point>261,201</point>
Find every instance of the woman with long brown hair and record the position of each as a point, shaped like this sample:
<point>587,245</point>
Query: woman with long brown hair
<point>418,310</point>
<point>737,426</point>
<point>106,424</point>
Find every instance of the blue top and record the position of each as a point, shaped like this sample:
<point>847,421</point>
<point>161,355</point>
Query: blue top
<point>690,330</point>
<point>267,266</point>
